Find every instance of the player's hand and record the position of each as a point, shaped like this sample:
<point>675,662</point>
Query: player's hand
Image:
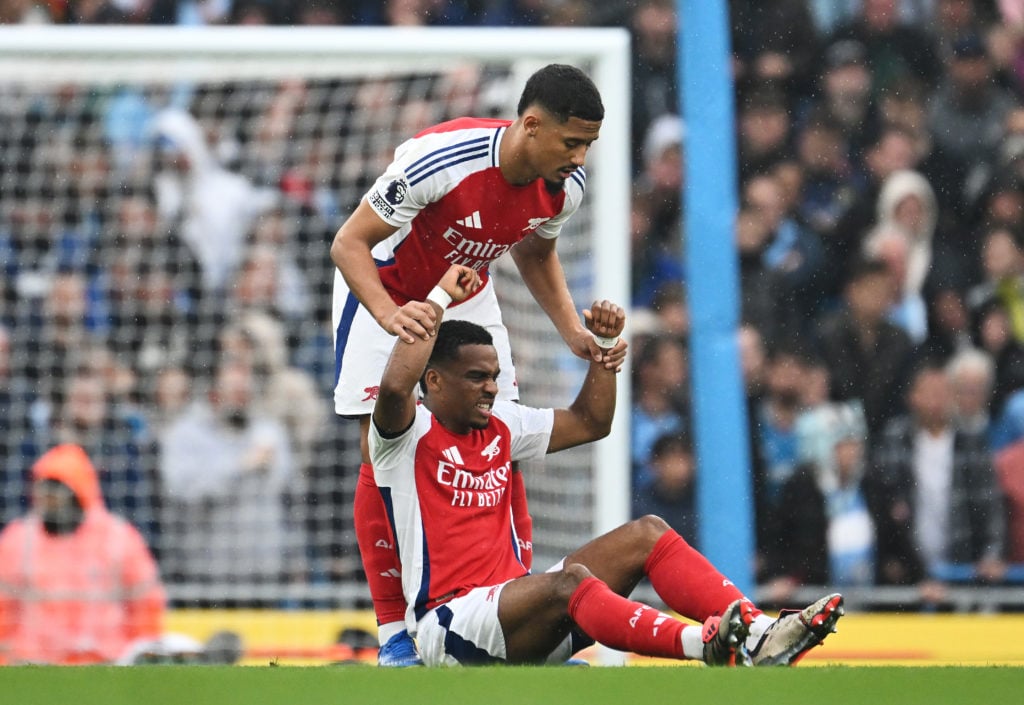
<point>606,320</point>
<point>460,282</point>
<point>415,319</point>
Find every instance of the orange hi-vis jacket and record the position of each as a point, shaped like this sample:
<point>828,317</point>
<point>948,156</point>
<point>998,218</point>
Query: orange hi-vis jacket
<point>81,597</point>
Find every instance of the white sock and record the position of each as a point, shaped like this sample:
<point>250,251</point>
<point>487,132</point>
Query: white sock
<point>386,631</point>
<point>757,629</point>
<point>693,642</point>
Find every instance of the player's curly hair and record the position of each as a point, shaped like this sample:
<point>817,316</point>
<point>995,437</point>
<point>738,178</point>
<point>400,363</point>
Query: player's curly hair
<point>565,92</point>
<point>451,336</point>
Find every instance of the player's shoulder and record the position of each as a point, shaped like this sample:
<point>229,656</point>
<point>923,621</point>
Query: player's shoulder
<point>578,179</point>
<point>567,201</point>
<point>420,425</point>
<point>576,185</point>
<point>451,150</point>
<point>512,412</point>
<point>452,128</point>
<point>462,137</point>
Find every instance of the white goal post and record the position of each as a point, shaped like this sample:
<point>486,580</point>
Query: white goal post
<point>576,494</point>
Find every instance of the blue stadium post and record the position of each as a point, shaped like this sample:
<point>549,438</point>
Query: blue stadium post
<point>724,498</point>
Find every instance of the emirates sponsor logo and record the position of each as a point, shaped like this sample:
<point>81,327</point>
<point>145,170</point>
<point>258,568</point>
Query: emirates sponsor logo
<point>473,489</point>
<point>471,253</point>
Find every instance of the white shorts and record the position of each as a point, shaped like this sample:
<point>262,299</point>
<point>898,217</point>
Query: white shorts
<point>362,347</point>
<point>465,631</point>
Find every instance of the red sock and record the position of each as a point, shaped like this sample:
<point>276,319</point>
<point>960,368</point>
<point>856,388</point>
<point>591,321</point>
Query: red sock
<point>687,581</point>
<point>623,624</point>
<point>377,549</point>
<point>521,519</point>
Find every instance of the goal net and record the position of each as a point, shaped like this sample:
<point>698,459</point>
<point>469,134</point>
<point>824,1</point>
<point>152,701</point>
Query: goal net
<point>167,202</point>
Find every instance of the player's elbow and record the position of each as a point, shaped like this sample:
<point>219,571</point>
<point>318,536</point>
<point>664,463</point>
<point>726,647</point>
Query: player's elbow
<point>602,428</point>
<point>391,390</point>
<point>593,423</point>
<point>597,427</point>
<point>338,250</point>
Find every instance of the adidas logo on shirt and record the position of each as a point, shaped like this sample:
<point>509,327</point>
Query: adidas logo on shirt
<point>471,221</point>
<point>453,456</point>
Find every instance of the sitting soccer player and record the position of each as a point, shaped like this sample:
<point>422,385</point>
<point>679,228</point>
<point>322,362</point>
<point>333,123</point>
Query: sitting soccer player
<point>443,470</point>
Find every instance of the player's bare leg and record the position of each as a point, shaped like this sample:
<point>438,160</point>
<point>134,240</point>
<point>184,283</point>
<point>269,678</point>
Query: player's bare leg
<point>537,612</point>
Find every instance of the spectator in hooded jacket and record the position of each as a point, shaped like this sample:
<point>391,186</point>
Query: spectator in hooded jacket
<point>77,584</point>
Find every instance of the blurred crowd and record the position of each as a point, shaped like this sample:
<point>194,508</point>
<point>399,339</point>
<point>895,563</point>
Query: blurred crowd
<point>318,12</point>
<point>880,237</point>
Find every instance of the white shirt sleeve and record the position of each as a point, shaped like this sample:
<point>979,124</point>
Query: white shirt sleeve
<point>573,198</point>
<point>530,428</point>
<point>391,196</point>
<point>390,456</point>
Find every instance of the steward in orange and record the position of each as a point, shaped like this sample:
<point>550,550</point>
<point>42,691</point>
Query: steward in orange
<point>77,584</point>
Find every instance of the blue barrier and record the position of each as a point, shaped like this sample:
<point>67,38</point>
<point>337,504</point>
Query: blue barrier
<point>965,573</point>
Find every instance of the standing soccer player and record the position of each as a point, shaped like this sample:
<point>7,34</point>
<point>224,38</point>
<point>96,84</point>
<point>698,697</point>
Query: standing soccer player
<point>463,192</point>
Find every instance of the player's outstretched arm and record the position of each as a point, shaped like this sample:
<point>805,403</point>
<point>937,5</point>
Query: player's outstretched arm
<point>351,253</point>
<point>590,416</point>
<point>537,261</point>
<point>541,270</point>
<point>396,401</point>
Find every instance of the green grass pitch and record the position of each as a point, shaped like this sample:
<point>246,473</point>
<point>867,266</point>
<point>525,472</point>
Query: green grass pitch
<point>198,685</point>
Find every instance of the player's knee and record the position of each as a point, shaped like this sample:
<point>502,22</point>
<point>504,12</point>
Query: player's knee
<point>647,530</point>
<point>570,577</point>
<point>576,572</point>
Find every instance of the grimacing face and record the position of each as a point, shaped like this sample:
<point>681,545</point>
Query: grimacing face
<point>463,391</point>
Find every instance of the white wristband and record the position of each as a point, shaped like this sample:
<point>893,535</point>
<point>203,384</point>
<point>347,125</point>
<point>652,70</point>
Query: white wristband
<point>606,343</point>
<point>440,297</point>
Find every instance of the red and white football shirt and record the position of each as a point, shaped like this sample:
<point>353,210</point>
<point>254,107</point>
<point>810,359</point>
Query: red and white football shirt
<point>447,499</point>
<point>445,193</point>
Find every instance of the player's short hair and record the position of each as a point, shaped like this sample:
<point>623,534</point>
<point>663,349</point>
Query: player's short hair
<point>565,92</point>
<point>451,336</point>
